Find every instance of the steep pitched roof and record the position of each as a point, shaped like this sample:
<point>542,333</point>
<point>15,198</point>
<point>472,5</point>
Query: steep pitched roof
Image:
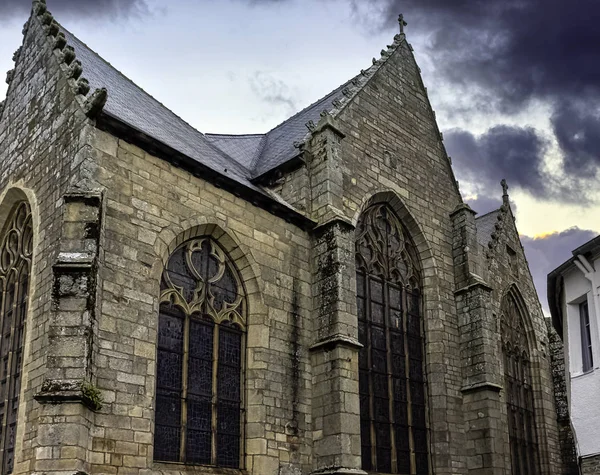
<point>241,157</point>
<point>245,149</point>
<point>133,106</point>
<point>279,146</point>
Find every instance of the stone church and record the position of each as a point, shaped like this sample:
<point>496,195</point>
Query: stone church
<point>317,299</point>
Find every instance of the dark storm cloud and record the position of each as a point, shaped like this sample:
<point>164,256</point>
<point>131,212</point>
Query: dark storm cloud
<point>106,8</point>
<point>484,204</point>
<point>546,253</point>
<point>518,49</point>
<point>577,130</point>
<point>513,153</point>
<point>514,51</point>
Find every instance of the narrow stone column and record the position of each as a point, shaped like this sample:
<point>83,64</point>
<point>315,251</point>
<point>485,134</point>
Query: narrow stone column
<point>482,381</point>
<point>68,393</point>
<point>335,403</point>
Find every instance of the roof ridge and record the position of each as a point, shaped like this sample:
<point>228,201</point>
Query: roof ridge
<point>262,147</point>
<point>233,135</point>
<point>486,214</point>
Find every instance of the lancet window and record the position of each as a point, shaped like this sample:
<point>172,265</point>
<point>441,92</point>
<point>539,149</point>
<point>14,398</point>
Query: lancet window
<point>518,390</point>
<point>393,413</point>
<point>15,269</point>
<point>199,386</point>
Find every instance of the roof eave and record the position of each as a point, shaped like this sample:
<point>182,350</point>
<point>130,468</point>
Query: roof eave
<point>115,126</point>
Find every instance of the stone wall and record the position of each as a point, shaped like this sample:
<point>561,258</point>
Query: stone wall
<point>386,148</point>
<point>590,465</point>
<point>565,432</point>
<point>40,160</point>
<point>506,269</point>
<point>150,207</point>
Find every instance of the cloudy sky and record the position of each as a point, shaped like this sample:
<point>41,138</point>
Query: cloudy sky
<point>515,83</point>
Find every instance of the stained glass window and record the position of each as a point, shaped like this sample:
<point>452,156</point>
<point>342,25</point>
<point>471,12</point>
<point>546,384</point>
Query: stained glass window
<point>518,390</point>
<point>393,413</point>
<point>199,382</point>
<point>15,263</point>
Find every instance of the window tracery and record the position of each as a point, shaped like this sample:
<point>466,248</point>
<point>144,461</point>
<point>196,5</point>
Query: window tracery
<point>518,390</point>
<point>394,432</point>
<point>202,321</point>
<point>15,265</point>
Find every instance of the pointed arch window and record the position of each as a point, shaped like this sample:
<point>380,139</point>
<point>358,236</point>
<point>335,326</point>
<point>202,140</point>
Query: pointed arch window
<point>393,414</point>
<point>200,361</point>
<point>518,390</point>
<point>15,266</point>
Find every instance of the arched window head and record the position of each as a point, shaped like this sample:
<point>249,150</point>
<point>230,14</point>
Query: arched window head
<point>200,360</point>
<point>393,414</point>
<point>518,389</point>
<point>15,264</point>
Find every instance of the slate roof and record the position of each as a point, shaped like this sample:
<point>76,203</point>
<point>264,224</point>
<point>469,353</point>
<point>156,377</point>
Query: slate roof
<point>486,226</point>
<point>133,106</point>
<point>279,146</point>
<point>245,149</point>
<point>241,157</point>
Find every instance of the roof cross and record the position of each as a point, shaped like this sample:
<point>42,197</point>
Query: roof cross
<point>402,23</point>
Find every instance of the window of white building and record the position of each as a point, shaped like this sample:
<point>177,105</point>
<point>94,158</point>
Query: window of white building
<point>586,337</point>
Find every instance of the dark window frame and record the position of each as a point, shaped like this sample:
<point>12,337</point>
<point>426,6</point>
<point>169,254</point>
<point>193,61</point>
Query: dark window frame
<point>392,382</point>
<point>200,359</point>
<point>586,337</point>
<point>16,250</point>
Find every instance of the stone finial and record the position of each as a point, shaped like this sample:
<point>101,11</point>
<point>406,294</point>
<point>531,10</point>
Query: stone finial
<point>402,23</point>
<point>355,82</point>
<point>83,87</point>
<point>60,41</point>
<point>10,76</point>
<point>346,92</point>
<point>504,192</point>
<point>337,103</point>
<point>310,125</point>
<point>39,8</point>
<point>17,53</point>
<point>52,29</point>
<point>327,121</point>
<point>68,54</point>
<point>47,18</point>
<point>94,104</point>
<point>75,69</point>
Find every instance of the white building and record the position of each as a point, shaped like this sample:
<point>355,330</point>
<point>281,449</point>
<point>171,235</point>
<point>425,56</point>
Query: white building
<point>574,298</point>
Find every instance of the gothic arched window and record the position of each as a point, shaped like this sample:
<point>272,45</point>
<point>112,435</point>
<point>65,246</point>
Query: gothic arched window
<point>200,360</point>
<point>392,385</point>
<point>518,390</point>
<point>15,265</point>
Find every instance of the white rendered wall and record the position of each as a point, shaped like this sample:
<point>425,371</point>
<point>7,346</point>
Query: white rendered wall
<point>584,389</point>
